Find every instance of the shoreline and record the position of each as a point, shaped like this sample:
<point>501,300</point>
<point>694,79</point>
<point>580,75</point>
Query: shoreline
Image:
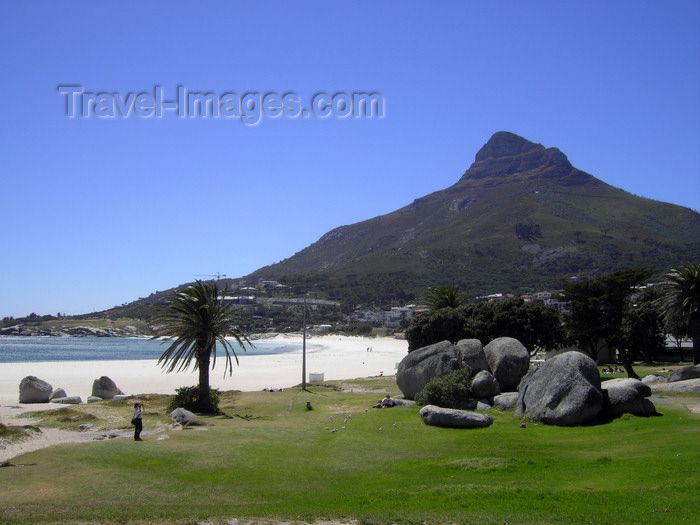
<point>336,357</point>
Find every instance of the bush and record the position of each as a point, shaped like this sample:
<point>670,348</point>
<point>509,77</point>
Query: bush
<point>187,397</point>
<point>453,390</point>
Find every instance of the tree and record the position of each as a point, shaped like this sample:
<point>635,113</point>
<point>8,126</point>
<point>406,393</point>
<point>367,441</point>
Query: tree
<point>448,296</point>
<point>677,330</point>
<point>584,322</point>
<point>195,319</point>
<point>435,326</point>
<point>597,308</point>
<point>680,298</point>
<point>535,325</point>
<point>642,327</point>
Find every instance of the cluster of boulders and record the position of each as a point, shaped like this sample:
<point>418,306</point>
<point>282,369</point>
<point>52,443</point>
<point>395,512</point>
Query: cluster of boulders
<point>504,362</point>
<point>70,331</point>
<point>565,390</point>
<point>500,365</point>
<point>35,390</point>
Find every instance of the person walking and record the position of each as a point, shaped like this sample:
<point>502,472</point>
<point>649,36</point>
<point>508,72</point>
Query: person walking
<point>137,421</point>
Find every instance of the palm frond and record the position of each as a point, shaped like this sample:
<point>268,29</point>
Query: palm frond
<point>193,320</point>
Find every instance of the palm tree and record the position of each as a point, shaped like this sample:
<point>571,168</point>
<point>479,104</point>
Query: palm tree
<point>195,319</point>
<point>680,299</point>
<point>448,296</point>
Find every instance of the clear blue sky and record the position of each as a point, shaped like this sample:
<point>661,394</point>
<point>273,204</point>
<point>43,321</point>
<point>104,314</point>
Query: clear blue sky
<point>99,211</point>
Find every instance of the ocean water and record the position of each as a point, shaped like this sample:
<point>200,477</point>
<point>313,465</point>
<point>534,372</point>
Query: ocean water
<point>33,349</point>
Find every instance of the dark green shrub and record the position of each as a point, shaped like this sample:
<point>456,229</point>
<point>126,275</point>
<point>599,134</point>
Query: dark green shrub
<point>432,327</point>
<point>536,326</point>
<point>188,397</point>
<point>449,391</point>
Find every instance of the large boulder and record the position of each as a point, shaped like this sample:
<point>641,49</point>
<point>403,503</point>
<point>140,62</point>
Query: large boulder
<point>508,361</point>
<point>484,385</point>
<point>627,396</point>
<point>683,373</point>
<point>34,390</point>
<point>105,388</point>
<point>452,418</point>
<point>471,352</point>
<point>422,365</point>
<point>562,391</point>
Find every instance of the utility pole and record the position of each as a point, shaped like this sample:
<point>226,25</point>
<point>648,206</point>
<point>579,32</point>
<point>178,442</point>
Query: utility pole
<point>303,348</point>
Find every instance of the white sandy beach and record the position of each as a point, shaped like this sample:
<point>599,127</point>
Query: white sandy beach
<point>336,357</point>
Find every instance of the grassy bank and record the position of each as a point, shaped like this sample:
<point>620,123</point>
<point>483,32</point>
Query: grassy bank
<point>273,458</point>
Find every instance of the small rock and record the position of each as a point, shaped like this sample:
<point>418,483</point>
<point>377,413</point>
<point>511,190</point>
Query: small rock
<point>59,392</point>
<point>182,415</point>
<point>506,401</point>
<point>72,400</point>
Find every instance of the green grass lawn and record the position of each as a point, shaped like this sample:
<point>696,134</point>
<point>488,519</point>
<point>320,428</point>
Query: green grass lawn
<point>280,460</point>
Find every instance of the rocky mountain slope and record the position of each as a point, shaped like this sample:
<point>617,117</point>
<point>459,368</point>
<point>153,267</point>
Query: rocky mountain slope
<point>520,218</point>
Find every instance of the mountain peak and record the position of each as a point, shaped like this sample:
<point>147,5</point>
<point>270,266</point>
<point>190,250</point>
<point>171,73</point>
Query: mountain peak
<point>520,217</point>
<point>509,157</point>
<point>506,144</point>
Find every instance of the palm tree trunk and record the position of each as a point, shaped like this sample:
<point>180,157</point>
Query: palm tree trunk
<point>204,394</point>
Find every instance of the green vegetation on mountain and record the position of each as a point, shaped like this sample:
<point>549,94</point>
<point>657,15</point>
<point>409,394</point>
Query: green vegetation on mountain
<point>521,218</point>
